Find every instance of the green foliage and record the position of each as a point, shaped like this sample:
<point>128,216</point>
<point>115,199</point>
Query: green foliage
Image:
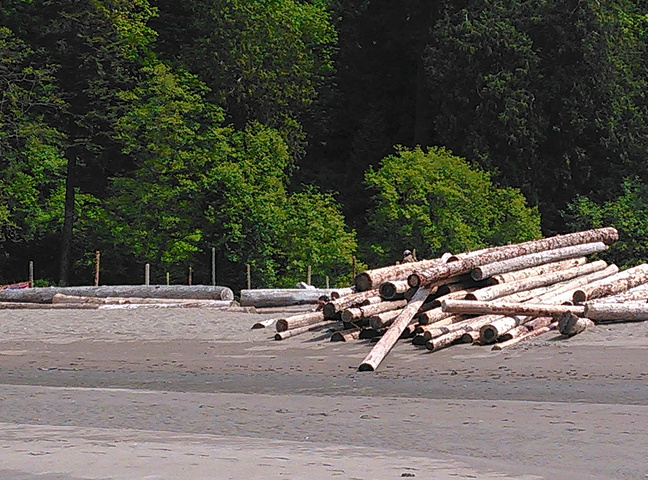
<point>628,213</point>
<point>436,202</point>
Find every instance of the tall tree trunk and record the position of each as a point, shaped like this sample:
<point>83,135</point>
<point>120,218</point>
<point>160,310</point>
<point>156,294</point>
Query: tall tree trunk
<point>68,222</point>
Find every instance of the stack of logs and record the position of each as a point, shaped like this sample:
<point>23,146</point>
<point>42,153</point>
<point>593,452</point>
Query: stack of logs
<point>496,296</point>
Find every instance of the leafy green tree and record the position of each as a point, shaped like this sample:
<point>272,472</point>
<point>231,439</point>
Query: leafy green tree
<point>628,213</point>
<point>32,166</point>
<point>436,202</point>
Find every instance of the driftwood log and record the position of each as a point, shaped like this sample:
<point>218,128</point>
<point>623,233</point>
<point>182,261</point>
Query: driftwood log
<point>308,328</point>
<point>335,307</point>
<point>297,321</point>
<point>387,341</point>
<point>372,279</point>
<point>620,282</point>
<point>46,306</point>
<point>531,334</point>
<point>431,274</point>
<point>616,312</point>
<point>570,325</point>
<point>490,332</point>
<point>539,270</point>
<point>62,298</point>
<point>268,322</point>
<point>394,289</point>
<point>278,297</point>
<point>346,335</point>
<point>45,294</point>
<point>383,320</point>
<point>354,313</point>
<point>505,308</point>
<point>534,259</point>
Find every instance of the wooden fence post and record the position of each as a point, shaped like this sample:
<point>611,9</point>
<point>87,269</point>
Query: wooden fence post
<point>97,262</point>
<point>147,274</point>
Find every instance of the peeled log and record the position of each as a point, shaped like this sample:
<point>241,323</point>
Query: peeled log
<point>513,333</point>
<point>342,292</point>
<point>351,314</point>
<point>617,312</point>
<point>469,337</point>
<point>387,341</point>
<point>531,334</point>
<point>546,279</point>
<point>332,308</point>
<point>346,335</point>
<point>571,325</point>
<point>456,331</point>
<point>45,294</point>
<point>426,276</point>
<point>301,330</point>
<point>394,289</point>
<point>491,331</point>
<point>618,283</point>
<point>61,298</point>
<point>278,297</point>
<point>563,292</point>
<point>384,319</point>
<point>534,259</point>
<point>372,279</point>
<point>539,270</point>
<point>505,308</point>
<point>296,321</point>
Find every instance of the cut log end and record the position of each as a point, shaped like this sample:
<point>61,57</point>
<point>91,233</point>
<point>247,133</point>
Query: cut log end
<point>365,367</point>
<point>362,282</point>
<point>488,334</point>
<point>281,325</point>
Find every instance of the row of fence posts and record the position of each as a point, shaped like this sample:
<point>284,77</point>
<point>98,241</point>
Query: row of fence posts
<point>147,272</point>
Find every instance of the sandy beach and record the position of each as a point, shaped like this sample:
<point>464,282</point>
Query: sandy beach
<point>196,394</point>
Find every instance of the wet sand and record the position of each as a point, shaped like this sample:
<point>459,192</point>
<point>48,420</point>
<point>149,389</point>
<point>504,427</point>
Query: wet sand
<point>193,394</point>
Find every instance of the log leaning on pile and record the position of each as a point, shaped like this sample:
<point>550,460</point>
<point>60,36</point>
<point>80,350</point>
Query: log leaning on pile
<point>45,294</point>
<point>620,282</point>
<point>387,341</point>
<point>431,274</point>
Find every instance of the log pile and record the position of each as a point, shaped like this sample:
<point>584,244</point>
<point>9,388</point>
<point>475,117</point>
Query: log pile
<point>495,297</point>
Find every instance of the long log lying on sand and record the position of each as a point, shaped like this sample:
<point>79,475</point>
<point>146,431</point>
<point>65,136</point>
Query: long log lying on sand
<point>354,313</point>
<point>301,320</point>
<point>551,278</point>
<point>334,307</point>
<point>431,274</point>
<point>538,270</point>
<point>531,334</point>
<point>570,325</point>
<point>46,306</point>
<point>62,298</point>
<point>534,259</point>
<point>278,297</point>
<point>268,322</point>
<point>394,332</point>
<point>372,279</point>
<point>45,294</point>
<point>505,308</point>
<point>293,332</point>
<point>622,281</point>
<point>606,312</point>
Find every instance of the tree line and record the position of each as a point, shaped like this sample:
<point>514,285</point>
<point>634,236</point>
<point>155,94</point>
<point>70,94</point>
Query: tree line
<point>289,134</point>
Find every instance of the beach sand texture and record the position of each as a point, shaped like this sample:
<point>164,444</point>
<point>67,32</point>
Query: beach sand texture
<point>196,394</point>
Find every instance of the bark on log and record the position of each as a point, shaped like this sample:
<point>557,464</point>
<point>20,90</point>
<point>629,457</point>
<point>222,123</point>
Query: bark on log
<point>563,292</point>
<point>505,308</point>
<point>469,337</point>
<point>539,270</point>
<point>278,297</point>
<point>62,298</point>
<point>346,335</point>
<point>570,325</point>
<point>372,279</point>
<point>394,289</point>
<point>491,331</point>
<point>45,294</point>
<point>383,320</point>
<point>531,334</point>
<point>426,276</point>
<point>334,307</point>
<point>432,316</point>
<point>296,321</point>
<point>636,294</point>
<point>355,313</point>
<point>308,328</point>
<point>617,283</point>
<point>268,322</point>
<point>616,312</point>
<point>546,279</point>
<point>534,259</point>
<point>385,344</point>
